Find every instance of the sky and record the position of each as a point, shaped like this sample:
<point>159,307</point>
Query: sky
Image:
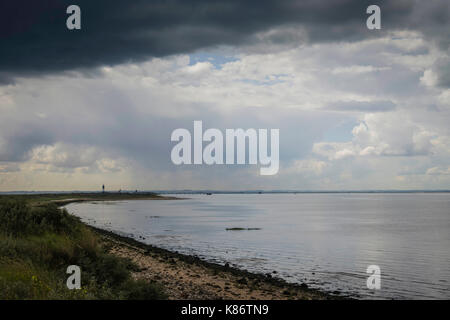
<point>357,109</point>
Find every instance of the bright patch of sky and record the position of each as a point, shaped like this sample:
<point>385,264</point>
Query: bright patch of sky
<point>216,59</point>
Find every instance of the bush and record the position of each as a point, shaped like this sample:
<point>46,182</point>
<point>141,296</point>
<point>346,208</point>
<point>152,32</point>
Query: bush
<point>18,219</point>
<point>38,243</point>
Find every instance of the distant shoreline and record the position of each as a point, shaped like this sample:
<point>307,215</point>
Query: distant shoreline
<point>162,193</point>
<point>62,199</point>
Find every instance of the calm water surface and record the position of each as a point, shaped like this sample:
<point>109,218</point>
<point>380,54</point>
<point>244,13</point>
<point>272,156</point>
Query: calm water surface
<point>324,240</point>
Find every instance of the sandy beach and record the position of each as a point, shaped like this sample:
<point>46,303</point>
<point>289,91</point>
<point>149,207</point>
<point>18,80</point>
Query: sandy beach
<point>187,277</point>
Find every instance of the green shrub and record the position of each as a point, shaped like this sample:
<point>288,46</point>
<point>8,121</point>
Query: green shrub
<point>19,219</point>
<point>37,244</point>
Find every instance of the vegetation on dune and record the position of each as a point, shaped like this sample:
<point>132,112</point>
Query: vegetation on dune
<point>38,243</point>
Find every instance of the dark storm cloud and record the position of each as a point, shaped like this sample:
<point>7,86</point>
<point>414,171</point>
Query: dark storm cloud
<point>34,37</point>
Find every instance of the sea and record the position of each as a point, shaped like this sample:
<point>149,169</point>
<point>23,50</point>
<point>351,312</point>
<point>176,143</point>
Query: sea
<point>325,240</point>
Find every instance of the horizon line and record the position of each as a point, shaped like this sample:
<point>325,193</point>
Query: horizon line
<point>183,191</point>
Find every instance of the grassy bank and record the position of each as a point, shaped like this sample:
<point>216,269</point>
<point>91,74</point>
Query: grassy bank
<point>38,241</point>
